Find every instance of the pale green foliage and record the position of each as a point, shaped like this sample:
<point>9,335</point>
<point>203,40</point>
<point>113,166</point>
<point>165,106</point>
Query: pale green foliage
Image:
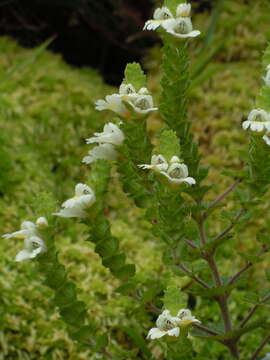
<point>172,4</point>
<point>174,300</point>
<point>169,144</point>
<point>134,75</point>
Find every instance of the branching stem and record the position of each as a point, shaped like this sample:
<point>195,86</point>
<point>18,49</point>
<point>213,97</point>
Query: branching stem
<point>259,349</point>
<point>223,195</point>
<point>192,276</point>
<point>263,250</point>
<point>253,310</point>
<point>229,227</point>
<point>205,329</point>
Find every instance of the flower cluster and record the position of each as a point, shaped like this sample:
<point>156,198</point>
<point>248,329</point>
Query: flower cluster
<point>33,244</point>
<point>76,206</point>
<point>128,99</point>
<point>258,120</point>
<point>110,137</point>
<point>179,26</point>
<point>175,171</point>
<point>167,324</point>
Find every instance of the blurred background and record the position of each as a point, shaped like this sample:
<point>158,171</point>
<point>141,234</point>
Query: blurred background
<point>104,34</point>
<point>56,59</point>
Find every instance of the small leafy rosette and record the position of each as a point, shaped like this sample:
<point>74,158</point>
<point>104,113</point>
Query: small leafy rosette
<point>180,26</point>
<point>258,120</point>
<point>77,205</point>
<point>110,137</point>
<point>33,244</point>
<point>167,324</point>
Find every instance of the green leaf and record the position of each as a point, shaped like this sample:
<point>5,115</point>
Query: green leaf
<point>85,333</point>
<point>263,238</point>
<point>66,294</point>
<point>138,340</point>
<point>169,144</point>
<point>266,57</point>
<point>172,5</point>
<point>263,99</point>
<point>126,287</point>
<point>125,271</point>
<point>101,342</point>
<point>135,76</point>
<point>267,274</point>
<point>114,262</point>
<point>174,299</point>
<point>74,314</point>
<point>56,276</point>
<point>107,247</point>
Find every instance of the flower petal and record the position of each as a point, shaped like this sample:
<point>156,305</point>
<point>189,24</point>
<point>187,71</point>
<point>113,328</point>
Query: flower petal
<point>174,332</point>
<point>155,333</point>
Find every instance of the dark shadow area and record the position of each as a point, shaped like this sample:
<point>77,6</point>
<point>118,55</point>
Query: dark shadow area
<point>103,34</point>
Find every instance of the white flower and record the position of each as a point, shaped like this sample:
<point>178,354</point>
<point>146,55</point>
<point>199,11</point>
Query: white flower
<point>114,103</point>
<point>103,151</point>
<point>33,246</point>
<point>266,139</point>
<point>267,76</point>
<point>180,27</point>
<point>111,135</point>
<point>142,104</point>
<point>178,173</point>
<point>175,159</point>
<point>28,229</point>
<point>126,89</point>
<point>75,207</point>
<point>186,317</point>
<point>158,163</point>
<point>41,222</point>
<point>258,120</point>
<point>183,10</point>
<point>161,15</point>
<point>166,325</point>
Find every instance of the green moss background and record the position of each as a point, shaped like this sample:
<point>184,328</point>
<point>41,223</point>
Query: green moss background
<point>46,112</point>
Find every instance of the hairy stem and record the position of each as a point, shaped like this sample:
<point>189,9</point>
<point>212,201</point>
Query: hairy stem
<point>205,329</point>
<point>229,227</point>
<point>221,299</point>
<point>190,244</point>
<point>223,195</point>
<point>262,345</point>
<point>253,310</point>
<point>192,276</point>
<point>234,278</point>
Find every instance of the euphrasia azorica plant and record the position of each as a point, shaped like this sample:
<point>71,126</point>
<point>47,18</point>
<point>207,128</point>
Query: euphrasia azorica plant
<point>168,182</point>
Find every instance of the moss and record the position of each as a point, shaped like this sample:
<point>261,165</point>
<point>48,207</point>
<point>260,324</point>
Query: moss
<point>47,110</point>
